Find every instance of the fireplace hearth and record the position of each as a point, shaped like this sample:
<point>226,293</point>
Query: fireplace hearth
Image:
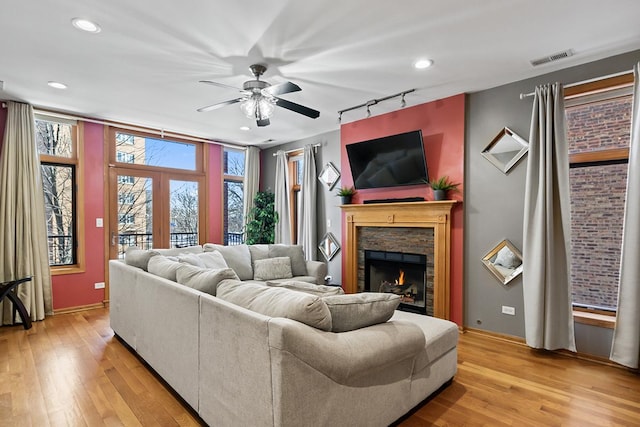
<point>403,274</point>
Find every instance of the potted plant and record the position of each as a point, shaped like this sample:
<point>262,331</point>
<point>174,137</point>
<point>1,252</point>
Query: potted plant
<point>441,186</point>
<point>346,193</point>
<point>262,219</point>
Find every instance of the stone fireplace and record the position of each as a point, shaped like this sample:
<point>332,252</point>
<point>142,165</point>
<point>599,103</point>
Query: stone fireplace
<point>413,233</point>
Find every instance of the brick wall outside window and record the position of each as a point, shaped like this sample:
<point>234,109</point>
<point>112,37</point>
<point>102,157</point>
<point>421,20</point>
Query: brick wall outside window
<point>597,200</point>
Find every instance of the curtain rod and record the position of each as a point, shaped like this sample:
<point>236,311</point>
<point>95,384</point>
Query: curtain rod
<point>595,79</point>
<point>315,149</point>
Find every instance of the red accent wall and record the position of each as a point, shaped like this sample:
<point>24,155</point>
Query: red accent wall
<point>442,125</point>
<point>215,210</point>
<point>73,290</point>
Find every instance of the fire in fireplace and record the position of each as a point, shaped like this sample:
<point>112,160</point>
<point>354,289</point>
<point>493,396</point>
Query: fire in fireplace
<point>398,273</point>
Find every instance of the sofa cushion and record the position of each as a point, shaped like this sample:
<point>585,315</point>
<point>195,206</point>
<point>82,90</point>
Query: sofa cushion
<point>163,267</point>
<point>191,259</point>
<point>140,257</point>
<point>355,311</point>
<point>272,268</point>
<point>203,279</point>
<point>278,302</point>
<point>258,251</point>
<point>295,252</point>
<point>310,288</point>
<point>213,259</point>
<point>237,257</point>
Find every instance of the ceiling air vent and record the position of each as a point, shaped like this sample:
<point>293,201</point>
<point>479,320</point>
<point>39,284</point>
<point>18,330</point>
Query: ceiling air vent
<point>551,58</point>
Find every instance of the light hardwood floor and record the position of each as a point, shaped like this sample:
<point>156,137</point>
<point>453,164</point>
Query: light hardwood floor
<point>70,371</point>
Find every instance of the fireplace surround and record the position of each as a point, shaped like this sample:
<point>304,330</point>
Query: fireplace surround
<point>435,216</point>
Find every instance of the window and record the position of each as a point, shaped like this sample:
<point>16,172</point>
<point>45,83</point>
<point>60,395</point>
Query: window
<point>598,129</point>
<point>56,142</point>
<point>125,157</point>
<point>233,169</point>
<point>124,139</point>
<point>126,219</point>
<point>126,198</point>
<point>126,179</point>
<point>296,170</point>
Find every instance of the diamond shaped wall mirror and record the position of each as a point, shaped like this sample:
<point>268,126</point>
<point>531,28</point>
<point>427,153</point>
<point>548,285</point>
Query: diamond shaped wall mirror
<point>329,246</point>
<point>329,175</point>
<point>505,150</point>
<point>504,261</point>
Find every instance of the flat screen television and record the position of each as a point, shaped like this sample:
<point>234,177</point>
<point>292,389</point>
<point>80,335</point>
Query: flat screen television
<point>390,161</point>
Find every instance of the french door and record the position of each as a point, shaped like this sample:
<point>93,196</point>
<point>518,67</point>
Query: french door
<point>150,209</point>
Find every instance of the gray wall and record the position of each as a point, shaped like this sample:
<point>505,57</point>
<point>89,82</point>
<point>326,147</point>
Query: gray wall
<point>494,201</point>
<point>329,214</point>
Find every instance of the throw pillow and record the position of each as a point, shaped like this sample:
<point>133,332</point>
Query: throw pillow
<point>310,288</point>
<point>191,259</point>
<point>236,257</point>
<point>355,311</point>
<point>272,268</point>
<point>278,302</point>
<point>137,257</point>
<point>213,259</point>
<point>295,252</point>
<point>202,279</point>
<point>163,267</point>
<point>506,258</point>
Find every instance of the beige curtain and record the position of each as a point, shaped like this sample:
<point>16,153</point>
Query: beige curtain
<point>281,199</point>
<point>23,249</point>
<point>546,248</point>
<point>251,179</point>
<point>626,338</point>
<point>307,228</point>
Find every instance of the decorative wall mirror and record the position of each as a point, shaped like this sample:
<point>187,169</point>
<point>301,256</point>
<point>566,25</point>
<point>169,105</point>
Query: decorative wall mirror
<point>329,246</point>
<point>505,150</point>
<point>504,261</point>
<point>329,175</point>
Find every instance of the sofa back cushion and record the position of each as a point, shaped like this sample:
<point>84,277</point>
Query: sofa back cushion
<point>310,288</point>
<point>272,268</point>
<point>213,260</point>
<point>162,266</point>
<point>278,302</point>
<point>140,257</point>
<point>355,311</point>
<point>204,279</point>
<point>295,253</point>
<point>237,257</point>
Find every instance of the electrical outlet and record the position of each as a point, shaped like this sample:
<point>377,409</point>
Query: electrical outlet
<point>99,285</point>
<point>508,310</point>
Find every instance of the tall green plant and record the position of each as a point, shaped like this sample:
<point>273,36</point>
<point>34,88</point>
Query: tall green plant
<point>262,220</point>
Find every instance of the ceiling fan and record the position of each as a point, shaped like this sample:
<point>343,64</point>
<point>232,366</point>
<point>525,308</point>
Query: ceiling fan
<point>259,98</point>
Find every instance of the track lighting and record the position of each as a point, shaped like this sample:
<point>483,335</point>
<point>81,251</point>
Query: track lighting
<point>368,104</point>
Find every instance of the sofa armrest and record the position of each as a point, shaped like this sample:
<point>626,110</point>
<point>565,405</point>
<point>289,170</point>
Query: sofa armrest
<point>317,269</point>
<point>347,356</point>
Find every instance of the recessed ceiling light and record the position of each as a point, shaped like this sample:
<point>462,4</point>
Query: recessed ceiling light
<point>421,64</point>
<point>57,85</point>
<point>86,25</point>
<point>245,128</point>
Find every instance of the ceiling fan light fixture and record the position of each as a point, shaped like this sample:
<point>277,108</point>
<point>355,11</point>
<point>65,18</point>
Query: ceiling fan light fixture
<point>258,106</point>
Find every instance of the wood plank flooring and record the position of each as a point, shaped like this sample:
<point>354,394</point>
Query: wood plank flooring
<point>70,371</point>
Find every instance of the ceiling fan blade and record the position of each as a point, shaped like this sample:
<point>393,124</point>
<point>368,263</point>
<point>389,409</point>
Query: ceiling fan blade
<point>300,109</point>
<point>219,105</point>
<point>209,82</point>
<point>282,88</point>
<point>263,122</point>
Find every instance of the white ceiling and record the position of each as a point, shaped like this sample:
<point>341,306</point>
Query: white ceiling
<point>145,64</point>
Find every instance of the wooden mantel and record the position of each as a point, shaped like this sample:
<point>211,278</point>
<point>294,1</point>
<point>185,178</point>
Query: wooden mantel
<point>436,215</point>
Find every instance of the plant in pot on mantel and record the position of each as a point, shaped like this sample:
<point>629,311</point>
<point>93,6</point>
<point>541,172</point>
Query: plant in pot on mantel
<point>441,187</point>
<point>345,194</point>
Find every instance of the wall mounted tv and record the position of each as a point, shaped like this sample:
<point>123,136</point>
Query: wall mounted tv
<point>390,161</point>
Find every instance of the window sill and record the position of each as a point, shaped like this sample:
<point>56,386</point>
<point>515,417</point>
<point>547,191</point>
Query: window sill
<point>71,269</point>
<point>594,319</point>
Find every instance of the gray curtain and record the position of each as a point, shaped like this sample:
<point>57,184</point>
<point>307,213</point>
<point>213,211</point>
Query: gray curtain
<point>307,228</point>
<point>626,337</point>
<point>547,233</point>
<point>251,180</point>
<point>23,233</point>
<point>281,192</point>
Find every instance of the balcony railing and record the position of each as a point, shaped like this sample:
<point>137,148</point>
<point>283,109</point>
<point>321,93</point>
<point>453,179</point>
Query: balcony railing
<point>60,250</point>
<point>231,239</point>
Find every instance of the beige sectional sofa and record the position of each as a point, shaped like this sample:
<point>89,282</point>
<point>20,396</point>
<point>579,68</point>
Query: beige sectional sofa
<point>250,355</point>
